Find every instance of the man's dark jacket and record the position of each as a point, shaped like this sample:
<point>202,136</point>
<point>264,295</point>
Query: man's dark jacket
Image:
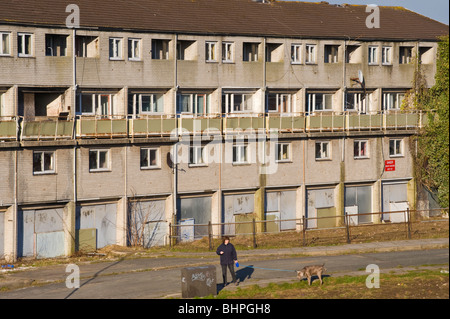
<point>229,254</point>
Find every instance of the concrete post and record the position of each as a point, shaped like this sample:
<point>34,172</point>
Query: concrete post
<point>69,213</point>
<point>10,243</point>
<point>121,222</point>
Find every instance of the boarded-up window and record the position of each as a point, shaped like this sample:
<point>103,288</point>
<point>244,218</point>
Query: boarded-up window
<point>358,200</point>
<point>235,208</point>
<point>281,206</point>
<point>320,204</point>
<point>194,210</point>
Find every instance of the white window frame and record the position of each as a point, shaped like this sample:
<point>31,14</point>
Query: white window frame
<point>227,52</point>
<point>7,36</point>
<point>239,149</point>
<point>311,100</point>
<point>280,99</point>
<point>21,36</point>
<point>193,104</point>
<point>211,51</point>
<point>310,54</point>
<point>396,142</point>
<point>296,53</point>
<point>386,55</point>
<point>96,104</point>
<point>325,152</point>
<point>360,149</point>
<point>246,105</point>
<point>372,56</point>
<point>281,149</point>
<point>137,103</point>
<point>107,160</point>
<point>134,46</point>
<point>361,103</point>
<point>393,103</point>
<point>197,155</point>
<point>149,150</point>
<point>42,170</point>
<point>116,44</point>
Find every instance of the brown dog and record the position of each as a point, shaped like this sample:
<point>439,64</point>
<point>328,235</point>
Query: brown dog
<point>309,271</point>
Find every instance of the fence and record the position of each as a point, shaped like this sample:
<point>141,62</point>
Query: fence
<point>337,229</point>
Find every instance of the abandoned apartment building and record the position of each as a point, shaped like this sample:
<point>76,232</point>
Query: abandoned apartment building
<point>278,110</point>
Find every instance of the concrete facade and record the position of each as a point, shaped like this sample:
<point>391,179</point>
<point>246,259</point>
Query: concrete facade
<point>92,157</point>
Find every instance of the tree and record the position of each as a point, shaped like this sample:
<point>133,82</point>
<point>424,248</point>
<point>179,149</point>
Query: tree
<point>432,158</point>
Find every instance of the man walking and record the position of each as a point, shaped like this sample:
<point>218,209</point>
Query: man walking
<point>228,257</point>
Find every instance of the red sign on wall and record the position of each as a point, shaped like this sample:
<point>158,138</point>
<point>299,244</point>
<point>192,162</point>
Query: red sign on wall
<point>389,165</point>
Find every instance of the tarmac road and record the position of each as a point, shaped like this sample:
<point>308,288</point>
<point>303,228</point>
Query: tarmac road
<point>160,277</point>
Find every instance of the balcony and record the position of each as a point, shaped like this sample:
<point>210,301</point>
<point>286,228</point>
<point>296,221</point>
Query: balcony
<point>17,129</point>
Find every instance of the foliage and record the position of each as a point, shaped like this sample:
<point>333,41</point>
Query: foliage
<point>432,165</point>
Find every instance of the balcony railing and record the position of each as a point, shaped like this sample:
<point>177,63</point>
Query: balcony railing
<point>173,125</point>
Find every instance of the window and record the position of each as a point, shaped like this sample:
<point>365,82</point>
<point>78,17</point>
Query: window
<point>395,147</point>
<point>322,150</point>
<point>331,53</point>
<point>186,50</point>
<point>355,101</point>
<point>405,55</point>
<point>148,103</point>
<point>319,102</point>
<point>310,53</point>
<point>353,54</point>
<point>360,149</point>
<point>44,162</point>
<point>55,45</point>
<point>392,100</point>
<point>240,153</point>
<point>227,52</point>
<point>5,43</point>
<point>150,158</point>
<point>115,49</point>
<point>283,152</point>
<point>24,44</point>
<point>160,49</point>
<point>386,55</point>
<point>373,55</point>
<point>86,46</point>
<point>250,52</point>
<point>193,103</point>
<point>211,51</point>
<point>95,104</point>
<point>274,52</point>
<point>237,102</point>
<point>197,155</point>
<point>134,49</point>
<point>278,103</point>
<point>296,53</point>
<point>98,160</point>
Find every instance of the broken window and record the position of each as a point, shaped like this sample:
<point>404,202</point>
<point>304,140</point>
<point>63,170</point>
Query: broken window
<point>356,101</point>
<point>360,149</point>
<point>323,150</point>
<point>227,52</point>
<point>115,48</point>
<point>186,50</point>
<point>395,147</point>
<point>386,55</point>
<point>43,162</point>
<point>405,55</point>
<point>426,55</point>
<point>274,52</point>
<point>283,152</point>
<point>134,49</point>
<point>24,44</point>
<point>237,103</point>
<point>373,55</point>
<point>319,102</point>
<point>331,53</point>
<point>160,49</point>
<point>55,45</point>
<point>250,52</point>
<point>150,158</point>
<point>5,43</point>
<point>353,54</point>
<point>86,46</point>
<point>211,51</point>
<point>310,56</point>
<point>98,160</point>
<point>279,102</point>
<point>296,53</point>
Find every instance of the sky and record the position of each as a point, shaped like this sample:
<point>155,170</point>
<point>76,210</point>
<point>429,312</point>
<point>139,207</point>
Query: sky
<point>434,9</point>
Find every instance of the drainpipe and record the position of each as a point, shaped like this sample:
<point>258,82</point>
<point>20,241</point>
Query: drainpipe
<point>74,103</point>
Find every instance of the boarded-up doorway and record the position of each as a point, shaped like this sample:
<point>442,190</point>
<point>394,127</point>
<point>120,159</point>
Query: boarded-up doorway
<point>395,198</point>
<point>237,208</point>
<point>280,205</point>
<point>320,208</point>
<point>194,211</point>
